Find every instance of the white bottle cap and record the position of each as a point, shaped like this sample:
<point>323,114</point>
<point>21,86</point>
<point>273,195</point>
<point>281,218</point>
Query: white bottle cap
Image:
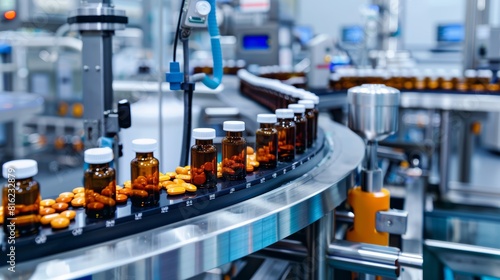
<point>233,126</point>
<point>309,104</point>
<point>267,118</point>
<point>312,97</point>
<point>297,108</point>
<point>144,145</point>
<point>284,113</point>
<point>98,155</point>
<point>20,169</point>
<point>470,73</point>
<point>203,133</point>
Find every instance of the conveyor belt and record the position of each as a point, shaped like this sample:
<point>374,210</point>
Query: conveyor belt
<point>197,242</point>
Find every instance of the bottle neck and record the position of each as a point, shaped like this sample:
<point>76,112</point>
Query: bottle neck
<point>234,133</point>
<point>267,125</point>
<point>98,165</point>
<point>24,181</point>
<point>204,142</point>
<point>144,155</point>
<point>299,115</point>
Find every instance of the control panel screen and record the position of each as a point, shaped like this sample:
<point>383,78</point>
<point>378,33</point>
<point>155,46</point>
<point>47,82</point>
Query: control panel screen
<point>352,34</point>
<point>259,42</point>
<point>450,33</point>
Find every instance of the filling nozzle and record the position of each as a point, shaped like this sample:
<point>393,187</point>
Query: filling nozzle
<point>371,174</point>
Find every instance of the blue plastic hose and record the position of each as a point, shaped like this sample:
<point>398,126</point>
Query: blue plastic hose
<point>213,30</point>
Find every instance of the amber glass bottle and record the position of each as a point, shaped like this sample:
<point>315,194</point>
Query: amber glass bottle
<point>145,174</point>
<point>100,184</point>
<point>21,199</point>
<point>311,122</point>
<point>204,158</point>
<point>234,151</point>
<point>301,127</point>
<point>266,141</point>
<point>286,134</point>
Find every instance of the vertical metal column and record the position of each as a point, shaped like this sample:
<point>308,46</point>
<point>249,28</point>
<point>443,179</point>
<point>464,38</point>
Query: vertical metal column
<point>444,152</point>
<point>466,153</point>
<point>318,238</point>
<point>97,83</point>
<point>476,13</point>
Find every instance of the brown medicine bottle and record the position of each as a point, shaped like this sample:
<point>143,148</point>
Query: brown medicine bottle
<point>204,158</point>
<point>234,151</point>
<point>311,122</point>
<point>100,184</point>
<point>266,141</point>
<point>301,127</point>
<point>315,110</point>
<point>145,173</point>
<point>286,134</point>
<point>21,199</point>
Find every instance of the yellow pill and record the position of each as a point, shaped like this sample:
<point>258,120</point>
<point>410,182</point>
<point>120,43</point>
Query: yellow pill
<point>79,195</point>
<point>178,181</point>
<point>176,190</point>
<point>67,194</point>
<point>183,177</point>
<point>181,170</point>
<point>254,163</point>
<point>59,222</point>
<point>171,174</point>
<point>250,150</point>
<point>70,214</point>
<point>164,178</point>
<point>118,187</point>
<point>47,202</point>
<point>189,187</point>
<point>219,174</point>
<point>78,190</point>
<point>166,184</point>
<point>45,220</point>
<point>249,168</point>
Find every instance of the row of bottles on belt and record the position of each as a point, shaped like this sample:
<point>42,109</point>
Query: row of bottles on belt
<point>272,93</point>
<point>279,138</point>
<point>481,80</point>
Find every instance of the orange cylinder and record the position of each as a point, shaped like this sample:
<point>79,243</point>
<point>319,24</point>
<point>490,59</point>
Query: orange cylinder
<point>365,207</point>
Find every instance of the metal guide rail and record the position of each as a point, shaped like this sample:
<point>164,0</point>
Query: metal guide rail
<point>188,235</point>
<point>130,219</point>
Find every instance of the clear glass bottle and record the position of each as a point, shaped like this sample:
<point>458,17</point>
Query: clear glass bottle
<point>234,151</point>
<point>266,141</point>
<point>301,127</point>
<point>100,184</point>
<point>204,158</point>
<point>286,134</point>
<point>311,121</point>
<point>21,199</point>
<point>145,173</point>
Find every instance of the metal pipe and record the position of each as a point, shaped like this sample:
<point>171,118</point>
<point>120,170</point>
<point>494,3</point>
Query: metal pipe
<point>160,90</point>
<point>370,259</point>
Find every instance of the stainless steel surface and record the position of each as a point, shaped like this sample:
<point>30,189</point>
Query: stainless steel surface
<point>364,258</point>
<point>97,9</point>
<point>371,259</point>
<point>189,247</point>
<point>414,204</point>
<point>371,180</point>
<point>444,152</point>
<point>317,244</point>
<point>466,258</point>
<point>373,111</point>
<point>392,221</point>
<point>451,102</point>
